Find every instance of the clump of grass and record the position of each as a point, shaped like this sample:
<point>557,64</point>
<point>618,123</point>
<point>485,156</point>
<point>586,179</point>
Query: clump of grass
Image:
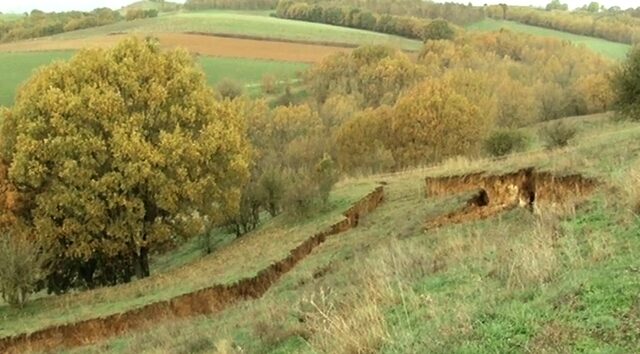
<point>531,260</point>
<point>355,322</point>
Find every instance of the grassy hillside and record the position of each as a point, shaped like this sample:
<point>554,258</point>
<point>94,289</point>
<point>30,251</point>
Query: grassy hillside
<point>610,49</point>
<point>563,279</point>
<point>230,263</point>
<point>151,5</point>
<point>257,24</point>
<point>18,67</point>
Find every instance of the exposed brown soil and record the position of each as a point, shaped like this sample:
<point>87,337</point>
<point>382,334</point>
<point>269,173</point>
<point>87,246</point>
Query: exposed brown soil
<point>499,193</point>
<point>220,46</point>
<point>205,301</point>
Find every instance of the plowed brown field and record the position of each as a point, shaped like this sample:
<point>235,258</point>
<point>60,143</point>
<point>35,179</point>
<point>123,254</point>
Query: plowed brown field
<point>195,43</point>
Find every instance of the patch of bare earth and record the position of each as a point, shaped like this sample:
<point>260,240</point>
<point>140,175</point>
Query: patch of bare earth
<point>208,45</point>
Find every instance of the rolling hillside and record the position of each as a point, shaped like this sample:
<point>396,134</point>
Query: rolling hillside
<point>562,277</point>
<point>610,49</point>
<point>255,24</point>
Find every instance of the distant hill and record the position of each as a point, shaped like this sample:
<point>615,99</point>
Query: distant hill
<point>161,6</point>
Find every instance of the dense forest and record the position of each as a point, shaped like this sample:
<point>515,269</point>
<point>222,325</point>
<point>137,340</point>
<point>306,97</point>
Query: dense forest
<point>613,24</point>
<point>40,24</point>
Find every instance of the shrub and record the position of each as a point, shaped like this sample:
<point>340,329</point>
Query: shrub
<point>626,84</point>
<point>557,134</point>
<point>503,142</point>
<point>230,89</point>
<point>269,84</point>
<point>309,189</point>
<point>20,265</point>
<point>438,29</point>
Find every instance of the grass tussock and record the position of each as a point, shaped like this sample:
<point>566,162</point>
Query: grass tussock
<point>356,321</point>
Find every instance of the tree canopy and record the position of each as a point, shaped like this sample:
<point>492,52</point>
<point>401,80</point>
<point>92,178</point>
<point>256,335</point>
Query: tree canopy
<point>120,153</point>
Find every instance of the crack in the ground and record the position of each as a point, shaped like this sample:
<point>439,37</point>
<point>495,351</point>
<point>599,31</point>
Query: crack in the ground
<point>496,194</point>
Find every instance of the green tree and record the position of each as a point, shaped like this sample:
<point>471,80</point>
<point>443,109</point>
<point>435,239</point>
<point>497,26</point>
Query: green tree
<point>122,152</point>
<point>626,83</point>
<point>438,29</point>
<point>593,7</point>
<point>556,5</point>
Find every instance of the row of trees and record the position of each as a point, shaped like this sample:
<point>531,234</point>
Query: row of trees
<point>405,26</point>
<point>40,24</point>
<point>453,12</point>
<point>230,4</point>
<point>614,26</point>
<point>135,14</point>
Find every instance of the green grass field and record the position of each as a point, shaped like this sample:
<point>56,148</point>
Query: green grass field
<point>18,67</point>
<point>257,24</point>
<point>10,17</point>
<point>560,280</point>
<point>610,49</point>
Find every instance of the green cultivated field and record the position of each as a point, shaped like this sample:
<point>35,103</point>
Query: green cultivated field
<point>257,24</point>
<point>610,49</point>
<point>18,67</point>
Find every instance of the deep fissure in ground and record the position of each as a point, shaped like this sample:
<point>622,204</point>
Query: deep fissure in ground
<point>494,194</point>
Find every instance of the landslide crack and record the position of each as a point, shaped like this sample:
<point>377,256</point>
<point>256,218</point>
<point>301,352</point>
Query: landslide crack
<point>496,194</point>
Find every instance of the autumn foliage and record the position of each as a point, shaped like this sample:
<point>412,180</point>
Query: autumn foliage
<point>121,153</point>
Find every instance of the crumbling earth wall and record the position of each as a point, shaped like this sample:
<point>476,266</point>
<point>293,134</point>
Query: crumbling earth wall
<point>495,194</point>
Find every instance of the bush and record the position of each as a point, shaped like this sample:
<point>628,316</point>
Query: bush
<point>20,269</point>
<point>626,84</point>
<point>504,142</point>
<point>309,190</point>
<point>438,29</point>
<point>557,134</point>
<point>269,84</point>
<point>230,89</point>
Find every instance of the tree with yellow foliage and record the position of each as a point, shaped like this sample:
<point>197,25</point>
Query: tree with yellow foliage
<point>433,121</point>
<point>122,152</point>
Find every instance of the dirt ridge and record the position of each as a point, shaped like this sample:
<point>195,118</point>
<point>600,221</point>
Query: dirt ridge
<point>499,193</point>
<point>205,301</point>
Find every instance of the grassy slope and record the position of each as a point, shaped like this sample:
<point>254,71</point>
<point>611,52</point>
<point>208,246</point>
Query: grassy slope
<point>232,262</point>
<point>611,49</point>
<point>257,24</point>
<point>18,67</point>
<point>562,281</point>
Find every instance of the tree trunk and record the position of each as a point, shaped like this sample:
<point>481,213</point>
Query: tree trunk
<point>142,263</point>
